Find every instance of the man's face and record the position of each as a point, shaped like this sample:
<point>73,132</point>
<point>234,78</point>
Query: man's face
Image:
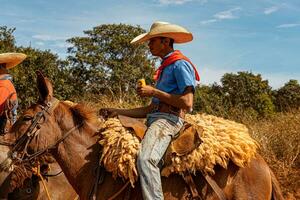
<point>156,46</point>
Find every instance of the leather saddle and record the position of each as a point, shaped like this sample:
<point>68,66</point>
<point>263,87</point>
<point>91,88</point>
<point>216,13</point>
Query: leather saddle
<point>186,141</point>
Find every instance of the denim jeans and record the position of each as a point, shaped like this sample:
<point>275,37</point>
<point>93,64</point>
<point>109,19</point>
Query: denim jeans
<point>161,128</point>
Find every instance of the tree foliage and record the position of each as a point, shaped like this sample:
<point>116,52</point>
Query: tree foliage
<point>246,90</point>
<point>238,93</point>
<point>104,60</point>
<point>7,40</point>
<point>288,96</point>
<point>47,62</point>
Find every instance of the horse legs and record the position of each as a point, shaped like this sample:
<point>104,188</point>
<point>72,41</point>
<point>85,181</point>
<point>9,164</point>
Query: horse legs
<point>276,191</point>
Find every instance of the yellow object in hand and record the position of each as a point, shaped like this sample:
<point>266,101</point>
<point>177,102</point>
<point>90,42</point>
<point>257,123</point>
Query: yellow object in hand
<point>141,82</point>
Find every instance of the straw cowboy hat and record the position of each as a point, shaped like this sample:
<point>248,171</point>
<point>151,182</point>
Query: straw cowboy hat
<point>11,59</point>
<point>165,29</point>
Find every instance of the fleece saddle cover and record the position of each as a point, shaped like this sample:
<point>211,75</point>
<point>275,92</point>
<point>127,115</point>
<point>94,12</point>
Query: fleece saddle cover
<point>204,142</point>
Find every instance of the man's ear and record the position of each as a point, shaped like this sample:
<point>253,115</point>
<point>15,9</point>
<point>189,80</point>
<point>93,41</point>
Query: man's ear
<point>165,41</point>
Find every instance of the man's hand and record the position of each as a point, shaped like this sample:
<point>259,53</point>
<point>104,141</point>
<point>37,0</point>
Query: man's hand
<point>146,91</point>
<point>108,112</point>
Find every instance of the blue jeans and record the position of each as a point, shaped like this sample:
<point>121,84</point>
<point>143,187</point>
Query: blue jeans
<point>161,128</point>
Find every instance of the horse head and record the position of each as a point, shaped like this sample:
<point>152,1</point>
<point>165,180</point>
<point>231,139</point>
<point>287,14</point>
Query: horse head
<point>37,129</point>
<point>45,124</point>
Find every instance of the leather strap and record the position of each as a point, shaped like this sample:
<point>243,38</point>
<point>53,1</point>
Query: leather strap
<point>215,187</point>
<point>166,108</point>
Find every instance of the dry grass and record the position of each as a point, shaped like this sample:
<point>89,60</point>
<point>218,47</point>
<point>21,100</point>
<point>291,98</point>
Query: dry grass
<point>279,137</point>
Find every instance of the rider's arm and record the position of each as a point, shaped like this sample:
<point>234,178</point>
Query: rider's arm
<point>140,112</point>
<point>184,101</point>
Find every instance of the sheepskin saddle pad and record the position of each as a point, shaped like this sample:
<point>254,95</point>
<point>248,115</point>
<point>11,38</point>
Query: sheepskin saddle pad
<point>221,141</point>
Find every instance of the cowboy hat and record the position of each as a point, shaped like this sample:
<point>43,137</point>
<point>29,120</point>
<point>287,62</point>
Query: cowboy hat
<point>11,59</point>
<point>165,29</point>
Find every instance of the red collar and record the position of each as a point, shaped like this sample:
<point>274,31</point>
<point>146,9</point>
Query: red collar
<point>176,55</point>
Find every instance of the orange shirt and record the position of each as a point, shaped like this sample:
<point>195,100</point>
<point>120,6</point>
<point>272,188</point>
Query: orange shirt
<point>7,90</point>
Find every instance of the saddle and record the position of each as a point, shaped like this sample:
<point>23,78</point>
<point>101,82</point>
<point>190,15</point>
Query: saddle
<point>186,141</point>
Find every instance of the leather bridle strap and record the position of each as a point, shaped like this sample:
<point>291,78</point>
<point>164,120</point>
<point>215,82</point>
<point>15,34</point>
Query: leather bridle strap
<point>22,143</point>
<point>30,133</point>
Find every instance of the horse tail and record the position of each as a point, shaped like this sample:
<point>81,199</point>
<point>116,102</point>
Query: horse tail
<point>276,191</point>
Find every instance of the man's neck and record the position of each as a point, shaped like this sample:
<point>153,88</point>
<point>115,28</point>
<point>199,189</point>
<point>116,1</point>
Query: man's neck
<point>166,52</point>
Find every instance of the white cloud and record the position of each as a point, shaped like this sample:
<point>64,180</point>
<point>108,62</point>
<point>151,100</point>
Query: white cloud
<point>48,37</point>
<point>179,2</point>
<point>270,10</point>
<point>223,15</point>
<point>288,25</point>
<point>227,14</point>
<point>62,45</point>
<point>209,21</point>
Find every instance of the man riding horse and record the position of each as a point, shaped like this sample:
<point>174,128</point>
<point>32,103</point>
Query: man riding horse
<point>8,94</point>
<point>172,97</point>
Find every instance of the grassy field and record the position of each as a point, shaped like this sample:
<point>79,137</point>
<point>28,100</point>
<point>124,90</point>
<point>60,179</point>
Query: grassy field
<point>279,139</point>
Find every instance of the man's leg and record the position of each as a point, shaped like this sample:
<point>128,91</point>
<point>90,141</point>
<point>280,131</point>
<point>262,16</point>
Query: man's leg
<point>153,147</point>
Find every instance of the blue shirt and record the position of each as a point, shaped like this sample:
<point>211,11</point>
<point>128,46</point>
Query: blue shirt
<point>175,78</point>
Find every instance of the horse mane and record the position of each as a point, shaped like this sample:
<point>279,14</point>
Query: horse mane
<point>84,115</point>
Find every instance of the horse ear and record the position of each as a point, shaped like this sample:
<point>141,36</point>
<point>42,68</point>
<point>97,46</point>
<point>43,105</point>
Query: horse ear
<point>45,87</point>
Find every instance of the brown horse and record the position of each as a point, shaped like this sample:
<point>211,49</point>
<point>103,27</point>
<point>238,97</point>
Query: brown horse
<point>68,133</point>
<point>28,186</point>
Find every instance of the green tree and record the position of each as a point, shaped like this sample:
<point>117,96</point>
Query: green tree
<point>7,40</point>
<point>288,96</point>
<point>245,90</point>
<point>104,61</point>
<point>211,100</point>
<point>50,65</point>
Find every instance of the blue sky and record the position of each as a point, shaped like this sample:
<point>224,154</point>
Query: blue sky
<point>261,36</point>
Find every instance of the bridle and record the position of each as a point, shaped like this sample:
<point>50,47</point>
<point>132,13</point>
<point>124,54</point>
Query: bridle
<point>19,152</point>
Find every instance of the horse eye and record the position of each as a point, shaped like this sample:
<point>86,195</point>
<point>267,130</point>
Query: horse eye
<point>27,117</point>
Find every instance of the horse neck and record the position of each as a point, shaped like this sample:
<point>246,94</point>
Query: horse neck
<point>78,156</point>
